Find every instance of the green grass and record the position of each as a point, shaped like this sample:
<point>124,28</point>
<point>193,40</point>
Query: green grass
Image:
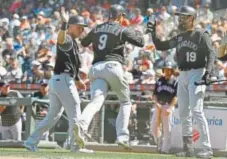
<point>63,154</point>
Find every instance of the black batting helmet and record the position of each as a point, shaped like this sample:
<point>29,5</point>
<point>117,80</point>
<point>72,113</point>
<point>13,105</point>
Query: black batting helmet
<point>77,20</point>
<point>168,64</point>
<point>115,11</point>
<point>186,10</point>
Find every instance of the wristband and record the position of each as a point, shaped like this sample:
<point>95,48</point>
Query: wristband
<point>64,26</point>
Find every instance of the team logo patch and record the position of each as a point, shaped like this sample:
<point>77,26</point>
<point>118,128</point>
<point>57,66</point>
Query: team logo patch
<point>13,101</point>
<point>179,39</point>
<point>195,135</point>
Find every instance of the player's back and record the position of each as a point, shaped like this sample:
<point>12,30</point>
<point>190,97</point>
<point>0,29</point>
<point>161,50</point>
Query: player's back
<point>107,42</point>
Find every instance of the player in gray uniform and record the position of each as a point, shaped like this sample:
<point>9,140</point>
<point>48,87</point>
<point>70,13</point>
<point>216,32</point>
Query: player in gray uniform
<point>108,41</point>
<point>62,88</point>
<point>195,58</point>
<point>11,124</point>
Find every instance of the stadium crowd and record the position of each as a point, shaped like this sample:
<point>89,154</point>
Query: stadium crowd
<point>28,33</point>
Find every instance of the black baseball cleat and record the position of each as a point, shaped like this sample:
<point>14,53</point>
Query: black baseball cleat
<point>164,153</point>
<point>125,145</point>
<point>159,144</point>
<point>205,154</point>
<point>188,153</point>
<point>78,138</point>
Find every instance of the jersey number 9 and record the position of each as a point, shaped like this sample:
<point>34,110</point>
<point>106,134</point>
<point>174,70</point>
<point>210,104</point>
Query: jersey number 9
<point>102,41</point>
<point>190,56</point>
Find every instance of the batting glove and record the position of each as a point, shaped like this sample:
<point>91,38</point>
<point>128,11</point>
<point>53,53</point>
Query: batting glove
<point>151,26</point>
<point>64,15</point>
<point>206,78</point>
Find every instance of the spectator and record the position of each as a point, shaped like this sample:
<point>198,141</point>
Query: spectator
<point>106,4</point>
<point>86,58</point>
<point>164,15</point>
<point>128,58</point>
<point>41,20</point>
<point>137,19</point>
<point>11,127</point>
<point>24,23</point>
<point>9,50</point>
<point>43,92</point>
<point>149,12</point>
<point>73,12</point>
<point>33,75</point>
<point>208,15</point>
<point>14,71</point>
<point>3,71</point>
<point>4,32</point>
<point>49,71</point>
<point>15,22</point>
<point>87,18</point>
<point>148,77</point>
<point>124,21</point>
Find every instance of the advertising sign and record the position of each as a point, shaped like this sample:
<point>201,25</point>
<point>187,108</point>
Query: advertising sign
<point>217,121</point>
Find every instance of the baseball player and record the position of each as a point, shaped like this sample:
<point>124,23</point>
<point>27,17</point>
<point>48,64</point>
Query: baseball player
<point>62,88</point>
<point>108,41</point>
<point>195,58</point>
<point>165,100</point>
<point>11,125</point>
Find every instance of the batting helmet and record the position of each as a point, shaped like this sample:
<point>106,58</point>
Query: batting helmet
<point>115,11</point>
<point>168,64</point>
<point>186,10</point>
<point>165,69</point>
<point>77,20</point>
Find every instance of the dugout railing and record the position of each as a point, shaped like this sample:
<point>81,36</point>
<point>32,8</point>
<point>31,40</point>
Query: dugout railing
<point>97,128</point>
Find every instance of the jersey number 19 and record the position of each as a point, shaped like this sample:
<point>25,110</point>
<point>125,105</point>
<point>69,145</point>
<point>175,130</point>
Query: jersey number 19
<point>190,56</point>
<point>102,41</point>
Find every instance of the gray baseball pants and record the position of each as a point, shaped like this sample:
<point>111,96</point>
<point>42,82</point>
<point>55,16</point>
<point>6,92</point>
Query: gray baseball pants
<point>105,75</point>
<point>190,102</point>
<point>12,132</point>
<point>63,94</point>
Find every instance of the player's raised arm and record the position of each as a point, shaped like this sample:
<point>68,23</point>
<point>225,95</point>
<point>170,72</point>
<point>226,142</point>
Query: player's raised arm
<point>63,32</point>
<point>64,41</point>
<point>160,45</point>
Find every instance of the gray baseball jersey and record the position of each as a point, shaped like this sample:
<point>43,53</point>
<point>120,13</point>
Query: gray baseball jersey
<point>195,55</point>
<point>108,41</point>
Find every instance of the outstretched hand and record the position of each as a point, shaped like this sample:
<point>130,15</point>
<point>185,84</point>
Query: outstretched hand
<point>64,15</point>
<point>151,25</point>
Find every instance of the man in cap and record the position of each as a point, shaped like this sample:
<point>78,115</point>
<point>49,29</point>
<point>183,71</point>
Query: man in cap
<point>41,109</point>
<point>11,127</point>
<point>149,12</point>
<point>63,92</point>
<point>195,58</point>
<point>108,41</point>
<point>43,92</point>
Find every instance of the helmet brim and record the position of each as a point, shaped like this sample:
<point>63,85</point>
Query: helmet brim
<point>185,14</point>
<point>79,24</point>
<point>168,67</point>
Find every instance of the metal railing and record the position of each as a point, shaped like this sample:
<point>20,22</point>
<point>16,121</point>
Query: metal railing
<point>97,128</point>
